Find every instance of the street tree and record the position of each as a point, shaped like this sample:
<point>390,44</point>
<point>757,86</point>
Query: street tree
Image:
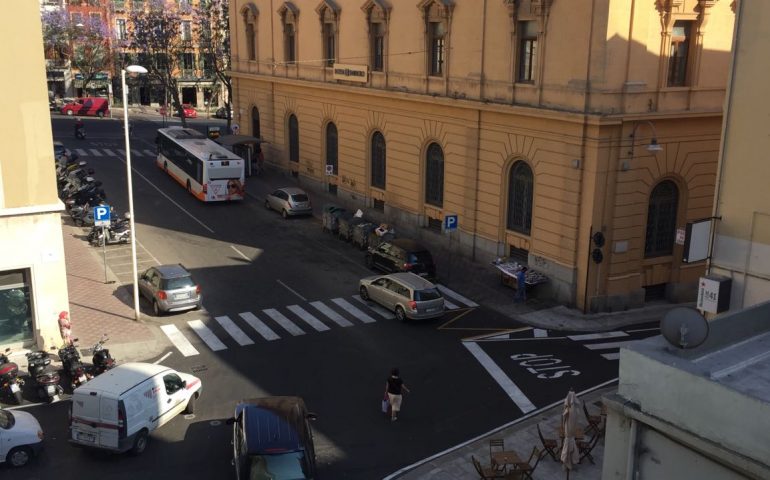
<point>212,29</point>
<point>155,35</point>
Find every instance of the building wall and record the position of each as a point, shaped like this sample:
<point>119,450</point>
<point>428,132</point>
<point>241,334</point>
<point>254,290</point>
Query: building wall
<point>742,239</point>
<point>600,80</point>
<point>30,224</point>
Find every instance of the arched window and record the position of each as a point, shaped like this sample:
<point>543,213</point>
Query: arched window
<point>520,183</point>
<point>378,160</point>
<point>661,220</point>
<point>293,139</point>
<point>250,15</point>
<point>255,129</point>
<point>251,41</point>
<point>331,146</point>
<point>434,175</point>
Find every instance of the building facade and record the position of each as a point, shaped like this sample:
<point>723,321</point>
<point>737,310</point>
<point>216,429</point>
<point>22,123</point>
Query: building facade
<point>540,123</point>
<point>58,72</point>
<point>33,282</point>
<point>741,249</point>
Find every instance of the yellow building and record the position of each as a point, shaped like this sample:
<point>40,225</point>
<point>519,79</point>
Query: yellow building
<point>33,283</point>
<point>538,122</point>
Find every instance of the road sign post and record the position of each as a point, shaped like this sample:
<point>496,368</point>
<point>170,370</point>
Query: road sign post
<point>450,225</point>
<point>102,219</point>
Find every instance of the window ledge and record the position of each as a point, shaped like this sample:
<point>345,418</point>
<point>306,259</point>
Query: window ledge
<point>520,84</point>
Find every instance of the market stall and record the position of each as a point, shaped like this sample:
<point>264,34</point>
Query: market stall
<point>508,270</point>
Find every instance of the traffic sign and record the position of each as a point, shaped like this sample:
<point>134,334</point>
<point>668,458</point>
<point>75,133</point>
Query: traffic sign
<point>102,216</point>
<point>450,223</point>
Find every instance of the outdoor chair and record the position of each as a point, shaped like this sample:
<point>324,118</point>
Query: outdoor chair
<point>594,421</point>
<point>526,469</point>
<point>586,446</point>
<point>496,444</point>
<point>549,444</point>
<point>486,472</point>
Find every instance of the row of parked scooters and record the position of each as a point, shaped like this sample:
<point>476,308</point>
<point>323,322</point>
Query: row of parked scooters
<point>80,192</point>
<point>44,379</point>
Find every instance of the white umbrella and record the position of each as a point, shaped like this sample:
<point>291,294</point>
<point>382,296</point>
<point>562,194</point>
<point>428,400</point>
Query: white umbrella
<point>569,451</point>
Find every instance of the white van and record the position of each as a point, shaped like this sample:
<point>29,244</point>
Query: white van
<point>118,409</point>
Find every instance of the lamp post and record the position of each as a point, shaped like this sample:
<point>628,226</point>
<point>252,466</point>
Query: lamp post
<point>652,147</point>
<point>134,70</point>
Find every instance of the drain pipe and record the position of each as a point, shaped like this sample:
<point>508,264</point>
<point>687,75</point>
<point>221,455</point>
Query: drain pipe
<point>631,459</point>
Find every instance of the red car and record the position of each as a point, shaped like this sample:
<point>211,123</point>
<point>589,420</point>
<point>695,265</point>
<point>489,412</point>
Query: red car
<point>189,111</point>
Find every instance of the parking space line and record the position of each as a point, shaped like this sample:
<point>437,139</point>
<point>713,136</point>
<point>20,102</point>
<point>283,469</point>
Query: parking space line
<point>597,336</point>
<point>178,339</point>
<point>331,314</point>
<point>378,309</point>
<point>259,326</point>
<point>446,291</point>
<point>234,330</point>
<point>351,309</point>
<point>449,305</point>
<point>308,318</point>
<point>291,290</point>
<point>207,335</point>
<point>510,388</point>
<point>281,320</point>
<point>607,346</point>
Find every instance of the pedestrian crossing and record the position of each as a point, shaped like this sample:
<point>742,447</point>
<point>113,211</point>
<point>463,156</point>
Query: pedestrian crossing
<point>107,152</point>
<point>610,350</point>
<point>270,324</point>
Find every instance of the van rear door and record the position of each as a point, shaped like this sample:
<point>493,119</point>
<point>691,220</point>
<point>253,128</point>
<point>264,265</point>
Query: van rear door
<point>94,419</point>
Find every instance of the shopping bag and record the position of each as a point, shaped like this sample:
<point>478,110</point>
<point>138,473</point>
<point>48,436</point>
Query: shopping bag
<point>385,405</point>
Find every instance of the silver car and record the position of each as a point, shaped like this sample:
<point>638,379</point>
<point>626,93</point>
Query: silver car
<point>289,201</point>
<point>408,295</point>
<point>170,288</point>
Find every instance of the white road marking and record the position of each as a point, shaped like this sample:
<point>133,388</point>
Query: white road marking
<point>292,290</point>
<point>607,346</point>
<point>333,316</point>
<point>308,318</point>
<point>351,309</point>
<point>539,333</point>
<point>95,152</point>
<point>281,320</point>
<point>207,335</point>
<point>122,152</point>
<point>456,296</point>
<point>162,358</point>
<point>178,339</point>
<point>109,152</point>
<point>449,305</point>
<point>149,153</point>
<point>596,336</point>
<point>510,388</point>
<point>234,330</point>
<point>81,152</point>
<point>611,356</point>
<point>258,325</point>
<point>378,309</point>
<point>136,153</point>
<point>240,253</point>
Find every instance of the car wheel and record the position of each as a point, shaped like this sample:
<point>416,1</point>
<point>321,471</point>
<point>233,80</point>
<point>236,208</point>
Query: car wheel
<point>70,113</point>
<point>140,443</point>
<point>19,456</point>
<point>400,314</point>
<point>197,306</point>
<point>369,261</point>
<point>190,409</point>
<point>364,293</point>
<point>156,309</point>
<point>284,214</point>
<point>267,204</point>
<point>189,188</point>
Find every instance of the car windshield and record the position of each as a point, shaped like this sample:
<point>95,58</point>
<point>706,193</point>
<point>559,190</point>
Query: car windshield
<point>429,294</point>
<point>420,257</point>
<point>299,197</point>
<point>282,466</point>
<point>6,420</point>
<point>175,283</point>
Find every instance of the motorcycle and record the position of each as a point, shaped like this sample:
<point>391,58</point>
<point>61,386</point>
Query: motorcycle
<point>111,236</point>
<point>80,133</point>
<point>72,365</point>
<point>102,359</point>
<point>118,225</point>
<point>46,377</point>
<point>9,377</point>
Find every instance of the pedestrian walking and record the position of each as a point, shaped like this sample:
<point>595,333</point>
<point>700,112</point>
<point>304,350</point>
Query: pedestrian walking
<point>65,328</point>
<point>521,285</point>
<point>394,389</point>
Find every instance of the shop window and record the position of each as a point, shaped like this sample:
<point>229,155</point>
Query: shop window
<point>661,220</point>
<point>434,175</point>
<point>15,307</point>
<point>293,139</point>
<point>331,147</point>
<point>520,186</point>
<point>378,160</point>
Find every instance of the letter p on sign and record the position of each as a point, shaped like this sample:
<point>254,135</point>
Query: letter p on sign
<point>102,216</point>
<point>450,223</point>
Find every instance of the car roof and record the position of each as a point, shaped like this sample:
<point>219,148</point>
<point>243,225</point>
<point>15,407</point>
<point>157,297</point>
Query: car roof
<point>124,377</point>
<point>172,271</point>
<point>411,280</point>
<point>273,424</point>
<point>407,244</point>
<point>292,190</point>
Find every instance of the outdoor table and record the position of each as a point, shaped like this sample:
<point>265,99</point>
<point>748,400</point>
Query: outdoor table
<point>505,458</point>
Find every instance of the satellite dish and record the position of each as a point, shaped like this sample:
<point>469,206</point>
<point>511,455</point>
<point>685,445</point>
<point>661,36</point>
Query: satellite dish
<point>684,327</point>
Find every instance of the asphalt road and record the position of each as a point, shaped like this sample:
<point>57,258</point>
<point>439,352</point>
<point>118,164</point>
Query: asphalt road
<point>249,260</point>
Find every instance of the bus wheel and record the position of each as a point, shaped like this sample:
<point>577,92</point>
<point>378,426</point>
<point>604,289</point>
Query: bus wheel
<point>165,167</point>
<point>189,189</point>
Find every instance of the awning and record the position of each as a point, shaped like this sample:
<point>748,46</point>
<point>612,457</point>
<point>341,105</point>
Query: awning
<point>233,140</point>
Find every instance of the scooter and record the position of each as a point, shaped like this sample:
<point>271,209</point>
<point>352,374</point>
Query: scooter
<point>72,366</point>
<point>112,236</point>
<point>80,133</point>
<point>102,359</point>
<point>46,377</point>
<point>9,377</point>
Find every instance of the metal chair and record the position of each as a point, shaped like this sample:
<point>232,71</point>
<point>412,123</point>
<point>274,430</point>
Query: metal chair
<point>486,473</point>
<point>585,448</point>
<point>549,444</point>
<point>594,421</point>
<point>526,469</point>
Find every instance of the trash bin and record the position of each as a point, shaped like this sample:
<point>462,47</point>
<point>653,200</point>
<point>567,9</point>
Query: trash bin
<point>344,224</point>
<point>361,233</point>
<point>375,240</point>
<point>348,225</point>
<point>330,217</point>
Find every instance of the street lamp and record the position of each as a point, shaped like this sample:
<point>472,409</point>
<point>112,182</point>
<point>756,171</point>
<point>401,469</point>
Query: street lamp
<point>133,70</point>
<point>652,147</point>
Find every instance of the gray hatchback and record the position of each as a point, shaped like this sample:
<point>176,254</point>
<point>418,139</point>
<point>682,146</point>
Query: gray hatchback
<point>408,295</point>
<point>170,288</point>
<point>289,201</point>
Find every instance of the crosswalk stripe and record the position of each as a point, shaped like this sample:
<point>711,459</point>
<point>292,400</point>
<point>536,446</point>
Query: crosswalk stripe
<point>468,302</point>
<point>179,340</point>
<point>539,333</point>
<point>258,325</point>
<point>81,152</point>
<point>345,305</point>
<point>596,336</point>
<point>379,310</point>
<point>95,152</point>
<point>149,153</point>
<point>283,321</point>
<point>449,305</point>
<point>122,152</point>
<point>207,335</point>
<point>308,317</point>
<point>136,153</point>
<point>234,330</point>
<point>607,346</point>
<point>109,152</point>
<point>611,356</point>
<point>333,316</point>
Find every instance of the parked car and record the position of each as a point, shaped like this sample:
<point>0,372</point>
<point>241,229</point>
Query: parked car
<point>119,409</point>
<point>408,295</point>
<point>272,439</point>
<point>169,110</point>
<point>222,112</point>
<point>290,201</point>
<point>401,255</point>
<point>94,106</point>
<point>170,288</point>
<point>21,437</point>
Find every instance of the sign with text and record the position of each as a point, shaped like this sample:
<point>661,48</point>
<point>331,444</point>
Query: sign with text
<point>714,293</point>
<point>450,223</point>
<point>351,73</point>
<point>102,216</point>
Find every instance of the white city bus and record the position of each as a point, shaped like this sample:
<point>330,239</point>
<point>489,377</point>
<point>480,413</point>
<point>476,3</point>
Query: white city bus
<point>207,170</point>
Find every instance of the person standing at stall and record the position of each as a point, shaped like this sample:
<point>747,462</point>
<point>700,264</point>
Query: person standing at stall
<point>521,285</point>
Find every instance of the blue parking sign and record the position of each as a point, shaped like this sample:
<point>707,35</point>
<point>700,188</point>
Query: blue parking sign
<point>102,215</point>
<point>450,223</point>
